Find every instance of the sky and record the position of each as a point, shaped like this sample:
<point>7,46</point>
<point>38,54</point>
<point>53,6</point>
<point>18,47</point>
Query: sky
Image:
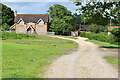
<point>39,7</point>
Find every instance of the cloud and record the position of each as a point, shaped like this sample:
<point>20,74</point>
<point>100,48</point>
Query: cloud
<point>34,0</point>
<point>37,7</point>
<point>28,7</point>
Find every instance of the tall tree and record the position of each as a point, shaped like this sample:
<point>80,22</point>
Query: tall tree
<point>7,16</point>
<point>76,22</point>
<point>100,12</point>
<point>61,19</point>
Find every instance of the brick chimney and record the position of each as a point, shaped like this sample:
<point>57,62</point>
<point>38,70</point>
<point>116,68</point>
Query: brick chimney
<point>15,13</point>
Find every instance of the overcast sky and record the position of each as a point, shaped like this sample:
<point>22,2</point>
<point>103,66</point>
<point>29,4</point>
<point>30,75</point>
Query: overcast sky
<point>37,6</point>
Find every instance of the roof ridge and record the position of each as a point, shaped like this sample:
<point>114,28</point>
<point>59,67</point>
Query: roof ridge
<point>32,14</point>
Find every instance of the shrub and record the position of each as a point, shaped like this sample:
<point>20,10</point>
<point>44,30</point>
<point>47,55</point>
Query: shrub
<point>111,39</point>
<point>104,37</point>
<point>116,32</point>
<point>83,34</point>
<point>6,35</point>
<point>94,28</point>
<point>5,26</point>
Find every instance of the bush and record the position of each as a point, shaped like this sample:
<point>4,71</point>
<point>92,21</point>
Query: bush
<point>6,35</point>
<point>94,28</point>
<point>116,32</point>
<point>111,39</point>
<point>104,37</point>
<point>5,26</point>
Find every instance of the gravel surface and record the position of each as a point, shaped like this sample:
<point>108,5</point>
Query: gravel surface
<point>85,62</point>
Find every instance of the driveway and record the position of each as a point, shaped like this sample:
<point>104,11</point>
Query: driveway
<point>85,62</point>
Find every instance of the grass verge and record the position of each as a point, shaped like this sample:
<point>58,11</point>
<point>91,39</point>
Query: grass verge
<point>68,37</point>
<point>26,58</point>
<point>112,60</point>
<point>104,44</point>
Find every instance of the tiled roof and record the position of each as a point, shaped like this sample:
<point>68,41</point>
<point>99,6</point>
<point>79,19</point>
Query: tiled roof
<point>32,17</point>
<point>84,27</point>
<point>112,27</point>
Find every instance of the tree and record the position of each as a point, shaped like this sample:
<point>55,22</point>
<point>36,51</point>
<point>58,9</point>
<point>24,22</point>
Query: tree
<point>76,22</point>
<point>7,16</point>
<point>5,26</point>
<point>61,19</point>
<point>100,12</point>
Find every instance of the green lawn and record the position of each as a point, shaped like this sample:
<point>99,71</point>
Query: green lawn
<point>28,58</point>
<point>104,44</point>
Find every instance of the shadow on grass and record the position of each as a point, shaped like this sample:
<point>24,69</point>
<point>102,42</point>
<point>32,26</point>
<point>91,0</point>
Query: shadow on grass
<point>111,47</point>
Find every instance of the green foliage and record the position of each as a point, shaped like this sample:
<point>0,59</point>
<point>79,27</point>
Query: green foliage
<point>7,15</point>
<point>5,26</point>
<point>95,29</point>
<point>100,12</point>
<point>76,22</point>
<point>6,35</point>
<point>104,37</point>
<point>116,32</point>
<point>61,19</point>
<point>58,11</point>
<point>104,44</point>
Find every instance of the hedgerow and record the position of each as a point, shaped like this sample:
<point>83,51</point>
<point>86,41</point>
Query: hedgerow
<point>6,35</point>
<point>104,37</point>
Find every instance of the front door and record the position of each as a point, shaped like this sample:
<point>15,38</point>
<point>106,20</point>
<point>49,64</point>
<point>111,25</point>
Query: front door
<point>30,30</point>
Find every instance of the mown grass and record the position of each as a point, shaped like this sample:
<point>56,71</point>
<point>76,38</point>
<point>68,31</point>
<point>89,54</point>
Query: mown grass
<point>104,44</point>
<point>28,58</point>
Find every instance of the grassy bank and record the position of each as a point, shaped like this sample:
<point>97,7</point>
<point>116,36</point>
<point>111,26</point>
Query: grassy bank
<point>104,44</point>
<point>28,58</point>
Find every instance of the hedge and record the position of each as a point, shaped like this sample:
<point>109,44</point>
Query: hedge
<point>104,37</point>
<point>6,35</point>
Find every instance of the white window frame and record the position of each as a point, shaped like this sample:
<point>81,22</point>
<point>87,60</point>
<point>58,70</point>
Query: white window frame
<point>40,22</point>
<point>20,20</point>
<point>40,30</point>
<point>20,30</point>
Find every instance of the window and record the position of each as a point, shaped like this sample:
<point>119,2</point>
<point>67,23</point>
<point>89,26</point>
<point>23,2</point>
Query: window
<point>30,23</point>
<point>21,23</point>
<point>40,30</point>
<point>41,23</point>
<point>20,30</point>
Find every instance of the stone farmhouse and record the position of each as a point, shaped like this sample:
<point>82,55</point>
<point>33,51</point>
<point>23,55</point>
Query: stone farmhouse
<point>31,23</point>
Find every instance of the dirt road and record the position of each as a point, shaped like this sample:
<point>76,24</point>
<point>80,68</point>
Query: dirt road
<point>86,62</point>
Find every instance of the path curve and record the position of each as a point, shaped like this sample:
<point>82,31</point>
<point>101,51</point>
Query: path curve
<point>85,62</point>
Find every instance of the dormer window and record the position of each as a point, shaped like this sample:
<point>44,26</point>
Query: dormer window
<point>40,22</point>
<point>30,23</point>
<point>21,22</point>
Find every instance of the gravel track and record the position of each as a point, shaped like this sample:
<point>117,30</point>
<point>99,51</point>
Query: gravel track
<point>85,62</point>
